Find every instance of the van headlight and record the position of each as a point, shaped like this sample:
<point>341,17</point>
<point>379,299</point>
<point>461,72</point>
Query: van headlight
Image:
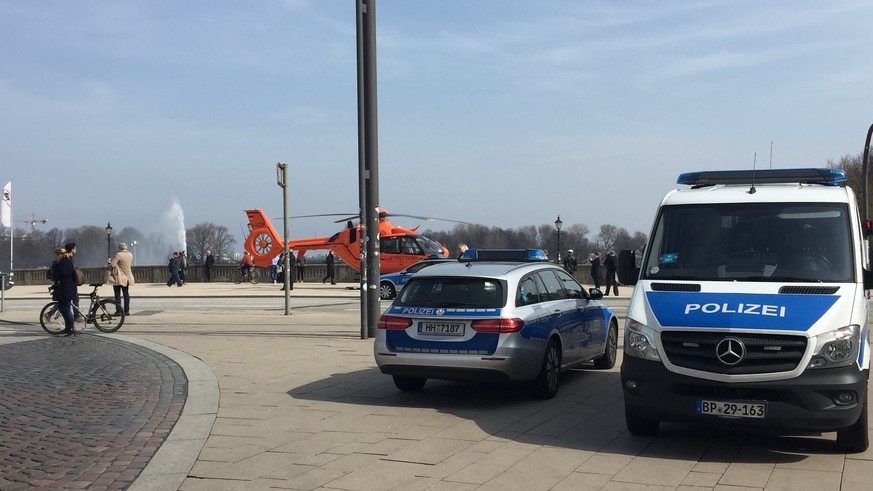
<point>638,341</point>
<point>838,348</point>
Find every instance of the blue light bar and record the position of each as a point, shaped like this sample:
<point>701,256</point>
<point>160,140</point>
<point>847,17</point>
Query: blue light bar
<point>513,255</point>
<point>827,177</point>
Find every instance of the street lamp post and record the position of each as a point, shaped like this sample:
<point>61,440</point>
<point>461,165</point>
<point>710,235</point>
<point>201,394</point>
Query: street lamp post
<point>108,230</point>
<point>558,224</point>
<point>133,246</point>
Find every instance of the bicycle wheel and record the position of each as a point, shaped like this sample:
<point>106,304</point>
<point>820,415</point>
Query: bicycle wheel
<point>255,277</point>
<point>107,315</point>
<point>51,320</point>
<point>238,278</point>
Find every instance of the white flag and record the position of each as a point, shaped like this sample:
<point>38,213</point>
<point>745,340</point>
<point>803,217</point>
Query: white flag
<point>6,206</point>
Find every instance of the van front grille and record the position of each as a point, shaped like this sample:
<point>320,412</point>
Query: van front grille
<point>733,353</point>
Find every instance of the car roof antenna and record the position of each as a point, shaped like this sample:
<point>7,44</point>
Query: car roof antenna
<point>752,190</point>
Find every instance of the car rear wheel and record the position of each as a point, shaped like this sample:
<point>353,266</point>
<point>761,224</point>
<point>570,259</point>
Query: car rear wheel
<point>546,384</point>
<point>854,439</point>
<point>640,426</point>
<point>409,384</point>
<point>607,361</point>
<point>386,291</point>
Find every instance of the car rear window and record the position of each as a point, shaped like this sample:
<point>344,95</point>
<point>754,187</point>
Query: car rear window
<point>471,293</point>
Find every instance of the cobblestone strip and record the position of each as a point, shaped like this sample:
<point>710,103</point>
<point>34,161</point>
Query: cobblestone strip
<point>83,412</point>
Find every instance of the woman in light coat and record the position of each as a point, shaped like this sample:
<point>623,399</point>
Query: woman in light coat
<point>121,275</point>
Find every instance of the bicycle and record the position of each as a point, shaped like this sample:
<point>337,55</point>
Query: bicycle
<point>254,276</point>
<point>106,315</point>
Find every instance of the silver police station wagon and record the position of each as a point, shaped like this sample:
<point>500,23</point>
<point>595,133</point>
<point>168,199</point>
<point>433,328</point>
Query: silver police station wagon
<point>494,315</point>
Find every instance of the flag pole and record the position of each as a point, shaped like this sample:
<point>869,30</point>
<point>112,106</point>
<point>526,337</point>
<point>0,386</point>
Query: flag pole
<point>7,201</point>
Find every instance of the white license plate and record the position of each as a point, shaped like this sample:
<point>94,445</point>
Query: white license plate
<point>441,328</point>
<point>733,409</point>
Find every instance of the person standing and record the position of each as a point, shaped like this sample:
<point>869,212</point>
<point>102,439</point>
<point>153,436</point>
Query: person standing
<point>274,267</point>
<point>462,248</point>
<point>301,266</point>
<point>570,263</point>
<point>65,277</point>
<point>329,262</point>
<point>291,264</point>
<point>611,270</point>
<point>207,266</point>
<point>183,266</point>
<point>174,266</point>
<point>71,249</point>
<point>122,275</point>
<point>594,259</point>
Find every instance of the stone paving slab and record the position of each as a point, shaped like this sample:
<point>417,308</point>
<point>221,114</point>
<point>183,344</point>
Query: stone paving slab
<point>300,409</point>
<point>83,411</point>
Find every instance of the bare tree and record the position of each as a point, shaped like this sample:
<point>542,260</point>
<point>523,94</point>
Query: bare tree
<point>200,238</point>
<point>607,237</point>
<point>222,241</point>
<point>854,174</point>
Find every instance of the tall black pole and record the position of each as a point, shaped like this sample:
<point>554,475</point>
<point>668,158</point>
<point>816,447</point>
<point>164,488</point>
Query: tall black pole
<point>368,151</point>
<point>282,181</point>
<point>866,174</point>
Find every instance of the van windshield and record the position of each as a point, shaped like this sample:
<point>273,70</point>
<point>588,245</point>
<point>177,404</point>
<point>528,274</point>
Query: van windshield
<point>752,242</point>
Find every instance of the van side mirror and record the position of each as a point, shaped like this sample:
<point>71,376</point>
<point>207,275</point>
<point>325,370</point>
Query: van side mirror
<point>868,279</point>
<point>626,269</point>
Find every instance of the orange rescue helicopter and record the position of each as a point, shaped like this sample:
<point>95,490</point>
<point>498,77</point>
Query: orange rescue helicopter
<point>398,247</point>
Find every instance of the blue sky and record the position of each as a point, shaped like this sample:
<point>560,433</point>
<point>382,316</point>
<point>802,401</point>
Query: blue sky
<point>499,112</point>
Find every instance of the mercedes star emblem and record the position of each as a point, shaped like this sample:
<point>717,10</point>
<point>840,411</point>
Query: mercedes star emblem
<point>730,351</point>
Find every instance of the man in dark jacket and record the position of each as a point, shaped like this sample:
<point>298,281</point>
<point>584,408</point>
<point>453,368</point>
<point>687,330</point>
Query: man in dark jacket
<point>208,265</point>
<point>594,259</point>
<point>570,262</point>
<point>329,262</point>
<point>175,265</point>
<point>611,269</point>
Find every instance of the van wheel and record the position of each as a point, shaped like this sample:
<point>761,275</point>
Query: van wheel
<point>640,426</point>
<point>409,384</point>
<point>386,291</point>
<point>607,361</point>
<point>546,384</point>
<point>854,438</point>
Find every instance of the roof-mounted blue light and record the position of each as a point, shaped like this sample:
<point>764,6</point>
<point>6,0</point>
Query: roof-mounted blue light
<point>514,255</point>
<point>827,177</point>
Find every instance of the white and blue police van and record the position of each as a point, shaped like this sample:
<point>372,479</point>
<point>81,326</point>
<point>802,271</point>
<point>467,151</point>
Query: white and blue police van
<point>750,308</point>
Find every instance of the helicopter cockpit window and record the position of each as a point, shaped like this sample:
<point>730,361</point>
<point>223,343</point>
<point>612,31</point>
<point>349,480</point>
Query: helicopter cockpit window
<point>390,245</point>
<point>430,246</point>
<point>408,245</point>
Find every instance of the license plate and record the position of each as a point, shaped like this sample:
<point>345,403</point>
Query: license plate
<point>733,409</point>
<point>441,328</point>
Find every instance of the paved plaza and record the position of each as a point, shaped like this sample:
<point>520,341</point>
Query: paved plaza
<point>212,387</point>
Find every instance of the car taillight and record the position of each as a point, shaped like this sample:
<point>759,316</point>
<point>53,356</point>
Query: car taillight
<point>391,322</point>
<point>498,325</point>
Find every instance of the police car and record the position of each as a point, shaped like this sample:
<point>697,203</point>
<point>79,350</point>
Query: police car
<point>494,315</point>
<point>390,284</point>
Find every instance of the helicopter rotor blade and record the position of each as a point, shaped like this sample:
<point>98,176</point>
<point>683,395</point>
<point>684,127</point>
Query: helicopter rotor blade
<point>317,215</point>
<point>428,219</point>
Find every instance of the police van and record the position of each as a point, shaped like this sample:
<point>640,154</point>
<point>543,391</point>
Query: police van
<point>750,307</point>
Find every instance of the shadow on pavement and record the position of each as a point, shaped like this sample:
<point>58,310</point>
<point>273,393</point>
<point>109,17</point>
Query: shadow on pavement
<point>587,414</point>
